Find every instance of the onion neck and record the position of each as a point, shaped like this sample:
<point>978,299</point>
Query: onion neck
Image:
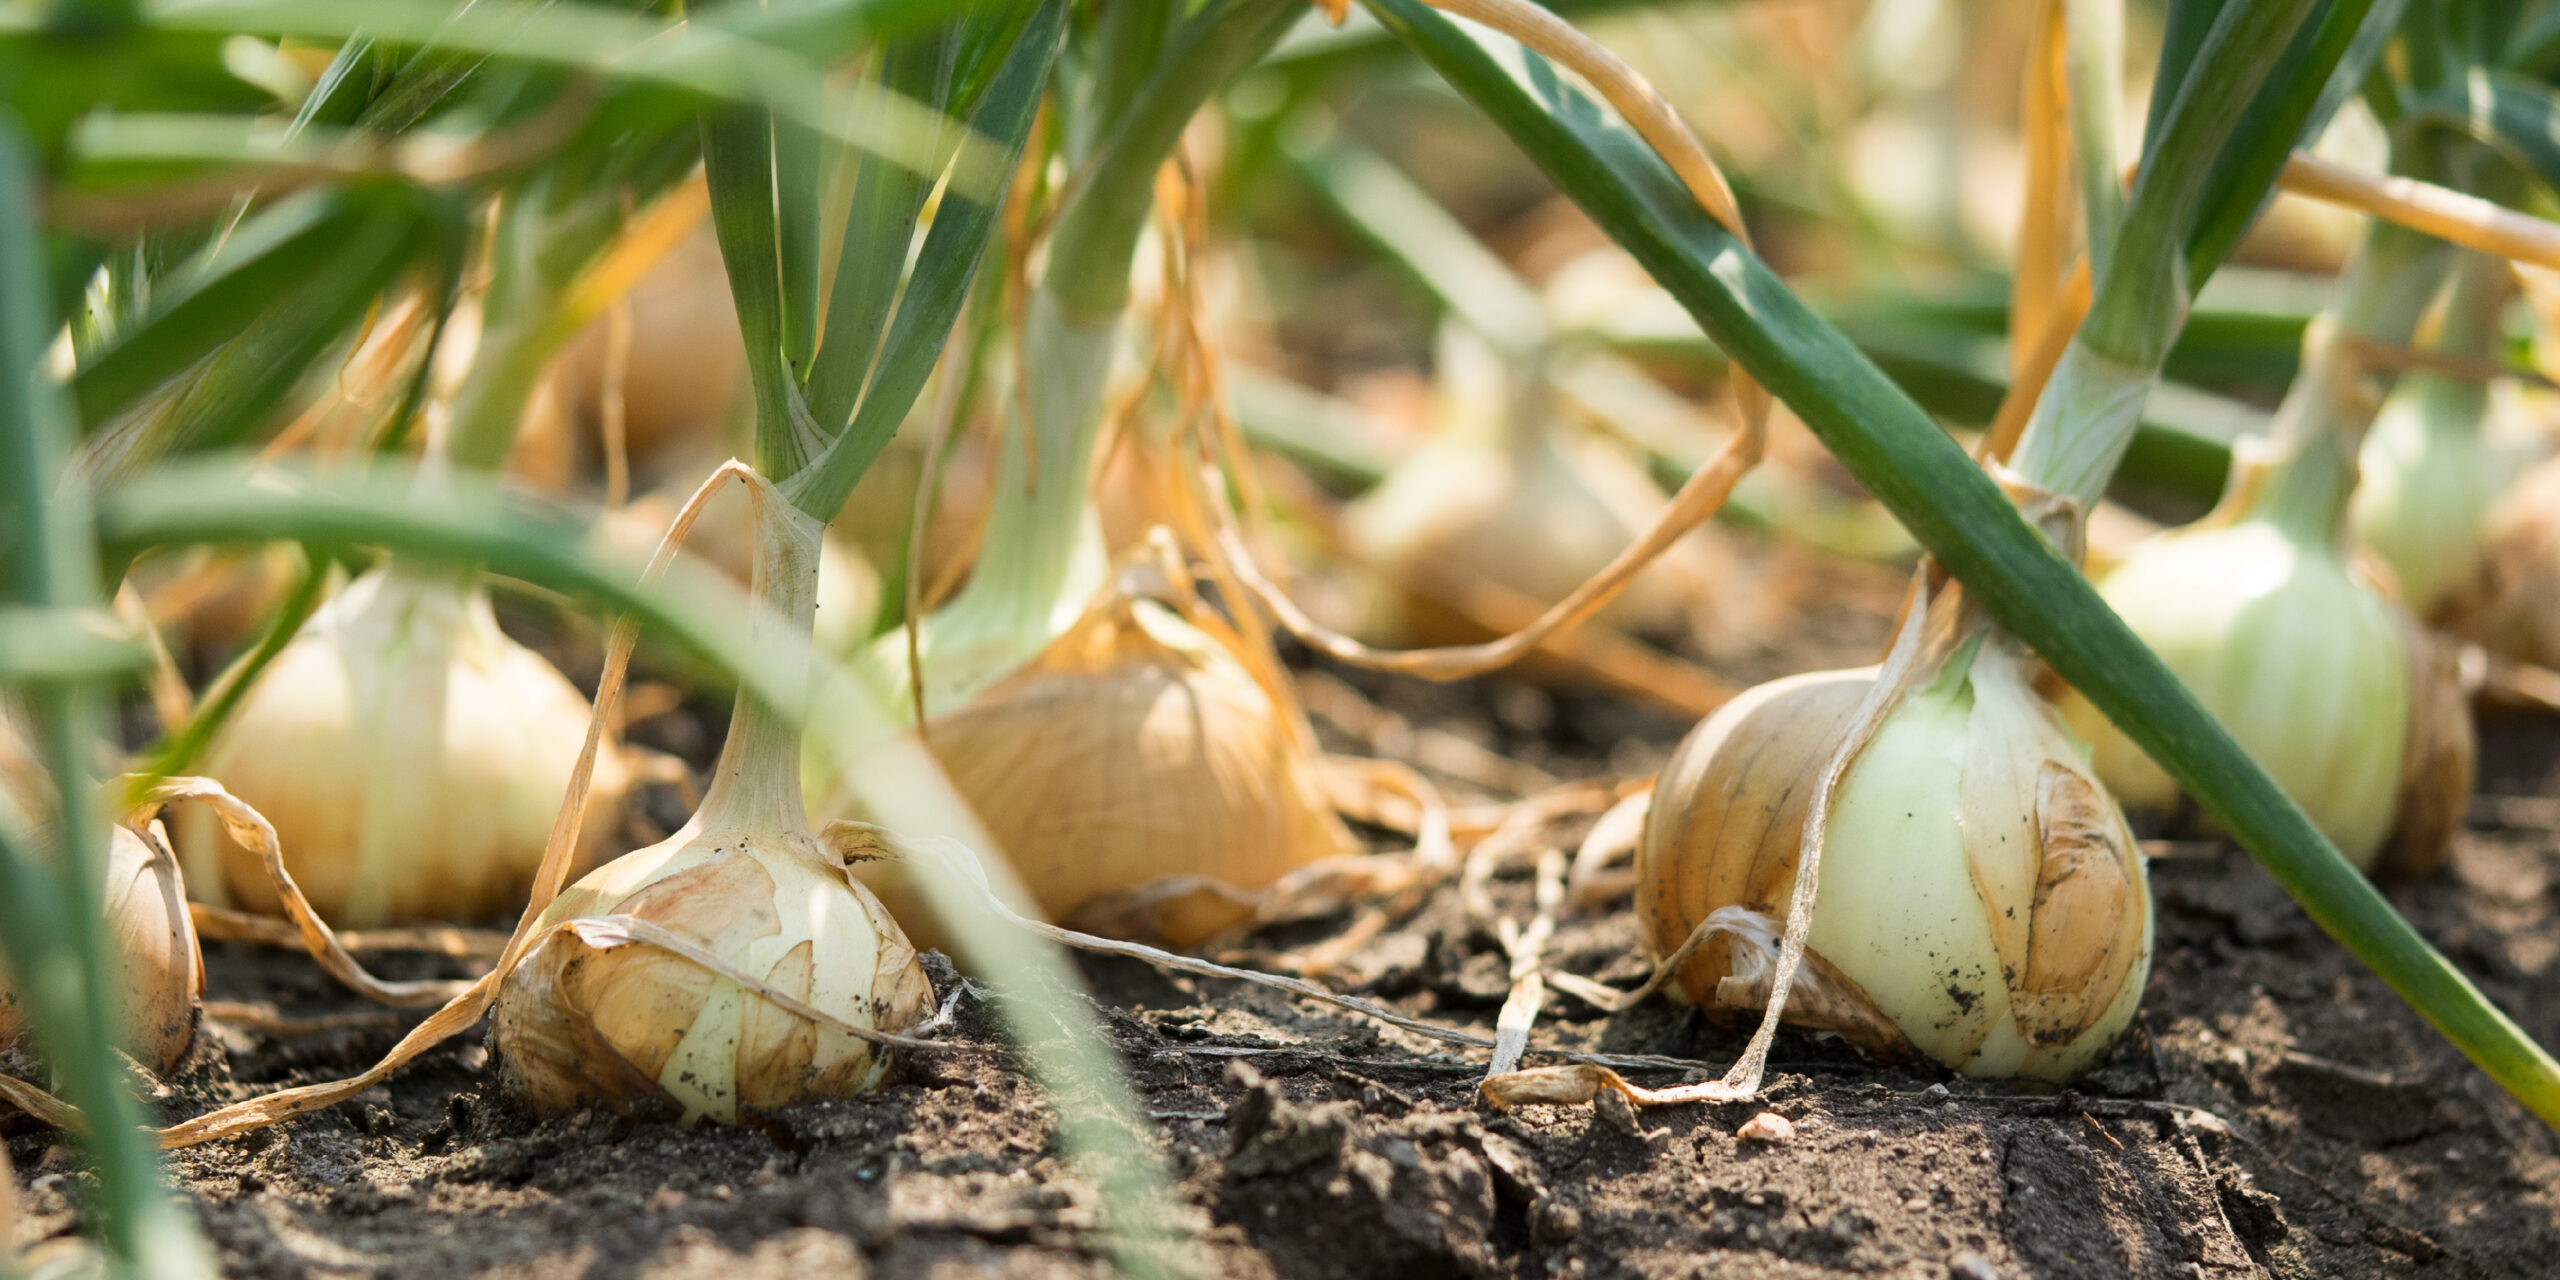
<point>1529,416</point>
<point>2320,427</point>
<point>756,784</point>
<point>2083,423</point>
<point>1043,557</point>
<point>2453,404</point>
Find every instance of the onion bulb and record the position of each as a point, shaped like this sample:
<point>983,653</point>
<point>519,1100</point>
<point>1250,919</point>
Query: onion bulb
<point>2326,683</point>
<point>410,755</point>
<point>1504,495</point>
<point>2513,606</point>
<point>2426,483</point>
<point>156,966</point>
<point>761,901</point>
<point>1138,775</point>
<point>582,1024</point>
<point>1981,901</point>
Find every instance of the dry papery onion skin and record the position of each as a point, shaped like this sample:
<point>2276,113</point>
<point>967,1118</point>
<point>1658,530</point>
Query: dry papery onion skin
<point>1981,902</point>
<point>633,1027</point>
<point>2329,685</point>
<point>411,757</point>
<point>158,967</point>
<point>2512,607</point>
<point>1135,751</point>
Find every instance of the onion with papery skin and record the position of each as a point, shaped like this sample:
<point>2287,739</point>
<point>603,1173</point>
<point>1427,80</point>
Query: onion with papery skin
<point>1526,507</point>
<point>626,1025</point>
<point>586,1019</point>
<point>1139,778</point>
<point>1981,901</point>
<point>2313,671</point>
<point>156,966</point>
<point>410,755</point>
<point>2513,606</point>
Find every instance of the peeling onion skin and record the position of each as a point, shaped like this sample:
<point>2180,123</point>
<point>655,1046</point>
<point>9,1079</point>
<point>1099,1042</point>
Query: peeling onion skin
<point>411,757</point>
<point>158,966</point>
<point>1135,750</point>
<point>1982,902</point>
<point>632,1026</point>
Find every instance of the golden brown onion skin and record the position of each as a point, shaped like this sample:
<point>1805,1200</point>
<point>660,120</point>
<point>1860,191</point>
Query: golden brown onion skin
<point>2440,766</point>
<point>2512,607</point>
<point>157,966</point>
<point>629,1026</point>
<point>1133,750</point>
<point>1717,836</point>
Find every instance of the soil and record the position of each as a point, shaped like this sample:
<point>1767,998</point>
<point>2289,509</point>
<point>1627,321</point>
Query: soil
<point>2274,1112</point>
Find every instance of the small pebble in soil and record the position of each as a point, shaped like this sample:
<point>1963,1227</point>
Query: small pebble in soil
<point>1552,1221</point>
<point>1769,1127</point>
<point>1971,1266</point>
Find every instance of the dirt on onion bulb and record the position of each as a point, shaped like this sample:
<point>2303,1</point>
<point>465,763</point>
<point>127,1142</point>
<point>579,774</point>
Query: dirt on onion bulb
<point>1980,899</point>
<point>618,1019</point>
<point>410,755</point>
<point>624,1025</point>
<point>1140,778</point>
